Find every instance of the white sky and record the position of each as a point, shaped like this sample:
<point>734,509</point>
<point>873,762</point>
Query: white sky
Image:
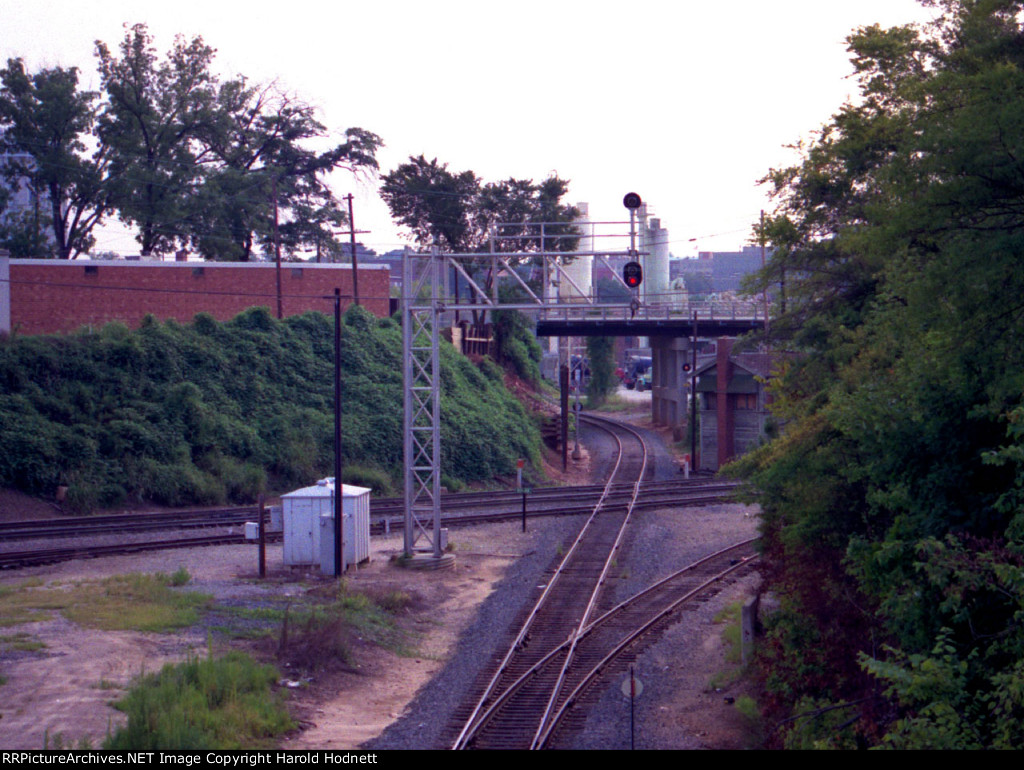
<point>686,103</point>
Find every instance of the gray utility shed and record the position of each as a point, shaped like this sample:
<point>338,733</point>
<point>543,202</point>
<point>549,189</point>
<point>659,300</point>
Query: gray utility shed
<point>304,511</point>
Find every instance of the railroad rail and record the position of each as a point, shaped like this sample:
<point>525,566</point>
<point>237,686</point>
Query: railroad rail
<point>385,512</point>
<point>35,557</point>
<point>597,651</point>
<point>563,609</point>
<point>604,644</point>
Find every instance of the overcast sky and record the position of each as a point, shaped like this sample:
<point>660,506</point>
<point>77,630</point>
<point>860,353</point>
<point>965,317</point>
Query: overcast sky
<point>686,103</point>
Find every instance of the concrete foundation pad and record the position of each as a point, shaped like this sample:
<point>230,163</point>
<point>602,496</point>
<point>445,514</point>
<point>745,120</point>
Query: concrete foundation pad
<point>427,561</point>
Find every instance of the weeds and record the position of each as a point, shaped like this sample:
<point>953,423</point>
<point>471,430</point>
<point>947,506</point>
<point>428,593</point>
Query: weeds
<point>21,643</point>
<point>323,632</point>
<point>59,743</point>
<point>733,636</point>
<point>733,632</point>
<point>224,703</point>
<point>614,403</point>
<point>751,714</point>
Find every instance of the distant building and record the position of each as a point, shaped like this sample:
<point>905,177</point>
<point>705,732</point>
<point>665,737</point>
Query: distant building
<point>729,267</point>
<point>19,204</point>
<point>46,296</point>
<point>362,252</point>
<point>726,269</point>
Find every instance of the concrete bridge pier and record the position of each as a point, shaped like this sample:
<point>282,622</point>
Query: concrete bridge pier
<point>668,385</point>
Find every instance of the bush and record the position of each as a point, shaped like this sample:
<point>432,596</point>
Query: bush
<point>374,479</point>
<point>219,704</point>
<point>517,346</point>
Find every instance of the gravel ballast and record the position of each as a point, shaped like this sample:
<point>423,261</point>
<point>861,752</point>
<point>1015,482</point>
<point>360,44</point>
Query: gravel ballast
<point>657,543</point>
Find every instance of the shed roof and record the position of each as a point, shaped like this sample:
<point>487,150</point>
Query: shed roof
<point>325,488</point>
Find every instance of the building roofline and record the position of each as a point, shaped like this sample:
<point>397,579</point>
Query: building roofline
<point>197,263</point>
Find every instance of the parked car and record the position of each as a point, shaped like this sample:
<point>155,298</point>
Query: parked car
<point>636,371</point>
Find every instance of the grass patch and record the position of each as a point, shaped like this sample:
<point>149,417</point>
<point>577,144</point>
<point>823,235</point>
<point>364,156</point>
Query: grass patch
<point>58,742</point>
<point>615,403</point>
<point>754,724</point>
<point>220,704</point>
<point>180,577</point>
<point>243,622</point>
<point>20,642</point>
<point>733,636</point>
<point>733,631</point>
<point>28,603</point>
<point>269,614</point>
<point>134,601</point>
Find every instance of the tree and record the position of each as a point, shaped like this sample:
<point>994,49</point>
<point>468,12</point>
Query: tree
<point>156,113</point>
<point>892,504</point>
<point>433,203</point>
<point>46,122</point>
<point>257,160</point>
<point>602,370</point>
<point>215,164</point>
<point>460,214</point>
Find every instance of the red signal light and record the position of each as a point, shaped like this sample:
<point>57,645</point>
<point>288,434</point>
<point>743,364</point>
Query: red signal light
<point>632,274</point>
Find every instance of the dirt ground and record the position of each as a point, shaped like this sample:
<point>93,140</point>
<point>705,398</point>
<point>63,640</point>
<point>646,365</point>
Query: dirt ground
<point>65,688</point>
<point>62,692</point>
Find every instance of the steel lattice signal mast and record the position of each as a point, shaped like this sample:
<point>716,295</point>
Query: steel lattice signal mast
<point>426,297</point>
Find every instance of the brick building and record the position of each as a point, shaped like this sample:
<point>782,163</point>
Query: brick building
<point>734,403</point>
<point>44,296</point>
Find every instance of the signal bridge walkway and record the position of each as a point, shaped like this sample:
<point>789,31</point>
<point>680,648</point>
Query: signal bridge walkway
<point>711,319</point>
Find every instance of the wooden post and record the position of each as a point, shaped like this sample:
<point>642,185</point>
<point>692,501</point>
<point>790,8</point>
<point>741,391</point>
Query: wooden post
<point>263,537</point>
<point>563,379</point>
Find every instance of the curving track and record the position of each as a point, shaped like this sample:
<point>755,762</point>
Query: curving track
<point>566,646</point>
<point>517,704</point>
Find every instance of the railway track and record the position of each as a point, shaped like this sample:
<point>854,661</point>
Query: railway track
<point>601,649</point>
<point>515,708</point>
<point>386,513</point>
<point>610,643</point>
<point>35,557</point>
<point>560,501</point>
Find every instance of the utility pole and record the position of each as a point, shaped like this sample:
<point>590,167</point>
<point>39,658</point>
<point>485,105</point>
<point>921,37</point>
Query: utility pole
<point>277,255</point>
<point>339,487</point>
<point>355,259</point>
<point>767,326</point>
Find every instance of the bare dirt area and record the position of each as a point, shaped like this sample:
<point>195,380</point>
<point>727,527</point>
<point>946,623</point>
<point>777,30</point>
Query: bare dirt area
<point>65,688</point>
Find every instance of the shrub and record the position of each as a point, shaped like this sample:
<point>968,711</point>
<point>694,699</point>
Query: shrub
<point>376,480</point>
<point>218,704</point>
